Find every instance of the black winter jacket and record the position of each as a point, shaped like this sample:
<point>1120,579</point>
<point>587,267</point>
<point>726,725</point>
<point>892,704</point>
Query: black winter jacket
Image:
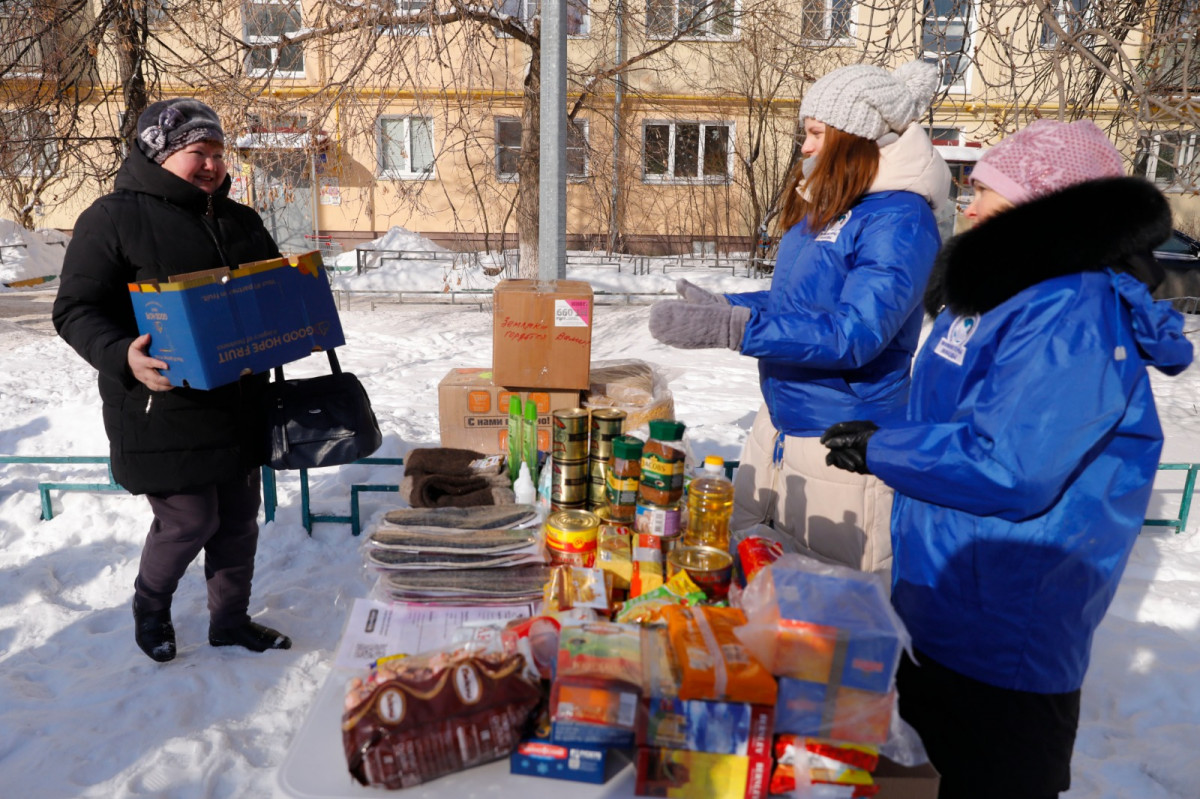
<point>155,225</point>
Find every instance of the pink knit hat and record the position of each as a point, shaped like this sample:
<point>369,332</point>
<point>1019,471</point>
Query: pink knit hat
<point>1046,157</point>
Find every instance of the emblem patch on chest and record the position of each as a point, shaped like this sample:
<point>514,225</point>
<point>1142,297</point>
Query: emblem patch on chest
<point>831,231</point>
<point>953,346</point>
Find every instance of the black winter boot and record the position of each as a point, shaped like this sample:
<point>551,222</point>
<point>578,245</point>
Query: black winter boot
<point>251,635</point>
<point>154,633</point>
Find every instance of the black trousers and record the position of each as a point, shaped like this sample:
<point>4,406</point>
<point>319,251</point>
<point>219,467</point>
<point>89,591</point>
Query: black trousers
<point>222,521</point>
<point>988,742</point>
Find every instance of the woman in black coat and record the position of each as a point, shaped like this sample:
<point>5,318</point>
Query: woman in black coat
<point>193,453</point>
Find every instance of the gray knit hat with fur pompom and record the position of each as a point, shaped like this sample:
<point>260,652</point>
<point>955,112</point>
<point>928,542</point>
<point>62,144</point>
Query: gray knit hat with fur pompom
<point>870,101</point>
<point>168,126</point>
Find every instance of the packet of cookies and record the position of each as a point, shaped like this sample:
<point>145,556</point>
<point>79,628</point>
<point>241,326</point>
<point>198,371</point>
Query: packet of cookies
<point>647,608</point>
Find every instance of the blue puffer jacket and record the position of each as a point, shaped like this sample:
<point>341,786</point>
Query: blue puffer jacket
<point>1024,470</point>
<point>836,332</point>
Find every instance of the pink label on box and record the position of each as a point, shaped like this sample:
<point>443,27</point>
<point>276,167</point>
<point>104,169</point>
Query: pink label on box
<point>571,313</point>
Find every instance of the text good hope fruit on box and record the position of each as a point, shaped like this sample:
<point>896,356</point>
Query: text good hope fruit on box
<point>212,327</point>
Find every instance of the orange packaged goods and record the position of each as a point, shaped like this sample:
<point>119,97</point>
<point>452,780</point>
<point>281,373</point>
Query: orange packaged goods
<point>542,333</point>
<point>599,676</point>
<point>418,718</point>
<point>713,663</point>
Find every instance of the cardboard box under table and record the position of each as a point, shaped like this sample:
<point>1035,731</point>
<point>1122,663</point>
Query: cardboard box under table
<point>473,410</point>
<point>212,327</point>
<point>542,333</point>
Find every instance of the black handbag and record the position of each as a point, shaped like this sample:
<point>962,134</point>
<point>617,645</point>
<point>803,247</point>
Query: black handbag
<point>319,421</point>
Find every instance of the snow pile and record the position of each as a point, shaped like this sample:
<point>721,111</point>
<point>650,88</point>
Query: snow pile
<point>28,255</point>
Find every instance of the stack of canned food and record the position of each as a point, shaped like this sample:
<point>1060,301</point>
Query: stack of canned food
<point>601,477</point>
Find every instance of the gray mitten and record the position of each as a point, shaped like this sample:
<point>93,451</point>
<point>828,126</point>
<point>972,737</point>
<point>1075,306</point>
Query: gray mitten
<point>694,294</point>
<point>696,326</point>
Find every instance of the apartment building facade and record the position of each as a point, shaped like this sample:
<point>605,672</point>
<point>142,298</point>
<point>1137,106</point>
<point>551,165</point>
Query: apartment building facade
<point>346,118</point>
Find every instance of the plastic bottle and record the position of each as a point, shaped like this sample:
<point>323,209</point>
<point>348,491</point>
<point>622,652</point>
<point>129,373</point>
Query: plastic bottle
<point>710,504</point>
<point>516,437</point>
<point>529,447</point>
<point>524,488</point>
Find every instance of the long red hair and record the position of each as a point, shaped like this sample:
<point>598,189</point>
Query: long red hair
<point>845,169</point>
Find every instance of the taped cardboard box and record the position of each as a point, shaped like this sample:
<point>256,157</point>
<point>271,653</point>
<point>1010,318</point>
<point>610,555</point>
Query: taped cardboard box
<point>212,327</point>
<point>473,410</point>
<point>906,782</point>
<point>542,333</point>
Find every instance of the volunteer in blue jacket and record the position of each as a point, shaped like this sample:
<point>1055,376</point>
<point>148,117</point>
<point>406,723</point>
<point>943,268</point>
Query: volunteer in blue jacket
<point>1024,469</point>
<point>835,334</point>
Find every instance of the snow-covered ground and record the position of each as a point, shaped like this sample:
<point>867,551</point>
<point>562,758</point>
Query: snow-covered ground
<point>83,713</point>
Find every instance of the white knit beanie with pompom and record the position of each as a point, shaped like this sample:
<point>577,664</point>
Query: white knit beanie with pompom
<point>871,101</point>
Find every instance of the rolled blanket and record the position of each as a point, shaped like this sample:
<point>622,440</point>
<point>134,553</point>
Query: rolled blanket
<point>441,460</point>
<point>444,490</point>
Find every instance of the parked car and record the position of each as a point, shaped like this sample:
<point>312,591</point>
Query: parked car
<point>1179,256</point>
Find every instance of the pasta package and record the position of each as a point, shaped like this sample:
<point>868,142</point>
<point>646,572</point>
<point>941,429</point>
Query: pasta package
<point>713,663</point>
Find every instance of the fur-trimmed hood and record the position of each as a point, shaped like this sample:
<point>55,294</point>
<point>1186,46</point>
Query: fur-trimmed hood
<point>1112,223</point>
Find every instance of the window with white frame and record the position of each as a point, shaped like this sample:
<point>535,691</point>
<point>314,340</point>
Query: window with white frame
<point>405,147</point>
<point>1071,16</point>
<point>695,19</point>
<point>1170,159</point>
<point>508,148</point>
<point>686,152</point>
<point>1175,53</point>
<point>409,8</point>
<point>825,20</point>
<point>266,21</point>
<point>946,40</point>
<point>27,144</point>
<point>20,46</point>
<point>157,10</point>
<point>939,135</point>
<point>578,19</point>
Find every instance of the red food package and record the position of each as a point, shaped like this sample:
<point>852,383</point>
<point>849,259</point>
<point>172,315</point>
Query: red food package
<point>755,552</point>
<point>422,717</point>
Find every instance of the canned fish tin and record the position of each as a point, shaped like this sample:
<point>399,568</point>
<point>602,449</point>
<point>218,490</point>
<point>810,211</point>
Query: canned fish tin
<point>571,537</point>
<point>597,482</point>
<point>607,424</point>
<point>568,482</point>
<point>570,428</point>
<point>710,568</point>
<point>665,521</point>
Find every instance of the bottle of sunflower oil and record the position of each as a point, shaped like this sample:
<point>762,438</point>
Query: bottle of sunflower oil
<point>710,505</point>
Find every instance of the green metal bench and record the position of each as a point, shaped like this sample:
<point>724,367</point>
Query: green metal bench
<point>354,518</point>
<point>44,487</point>
<point>1179,523</point>
<point>307,517</point>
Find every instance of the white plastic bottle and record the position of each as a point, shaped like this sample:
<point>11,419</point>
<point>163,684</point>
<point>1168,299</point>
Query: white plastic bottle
<point>524,488</point>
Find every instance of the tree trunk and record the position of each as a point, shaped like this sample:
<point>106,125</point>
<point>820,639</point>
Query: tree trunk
<point>528,171</point>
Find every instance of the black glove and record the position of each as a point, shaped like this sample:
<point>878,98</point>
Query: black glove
<point>702,325</point>
<point>847,442</point>
<point>694,294</point>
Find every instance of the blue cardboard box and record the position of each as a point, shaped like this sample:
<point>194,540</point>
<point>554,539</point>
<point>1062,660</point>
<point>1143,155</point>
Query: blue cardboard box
<point>212,327</point>
<point>539,757</point>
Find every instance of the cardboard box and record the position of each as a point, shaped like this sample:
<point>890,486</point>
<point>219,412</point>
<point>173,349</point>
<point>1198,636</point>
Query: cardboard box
<point>212,327</point>
<point>473,411</point>
<point>902,782</point>
<point>681,774</point>
<point>539,757</point>
<point>727,728</point>
<point>542,333</point>
<point>822,710</point>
